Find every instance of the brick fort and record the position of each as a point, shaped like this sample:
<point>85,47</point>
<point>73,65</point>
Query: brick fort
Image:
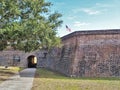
<point>92,53</point>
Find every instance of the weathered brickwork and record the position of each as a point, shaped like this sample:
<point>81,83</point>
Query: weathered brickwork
<point>99,60</point>
<point>83,54</point>
<point>97,53</point>
<point>17,58</point>
<point>61,59</point>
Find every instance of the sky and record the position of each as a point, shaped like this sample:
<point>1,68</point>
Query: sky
<point>81,15</point>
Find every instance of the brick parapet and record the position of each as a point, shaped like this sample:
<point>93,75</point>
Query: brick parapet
<point>92,32</point>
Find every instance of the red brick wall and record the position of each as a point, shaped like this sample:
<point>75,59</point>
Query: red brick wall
<point>97,56</point>
<point>87,54</point>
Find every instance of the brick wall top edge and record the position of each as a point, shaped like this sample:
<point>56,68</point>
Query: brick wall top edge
<point>92,32</point>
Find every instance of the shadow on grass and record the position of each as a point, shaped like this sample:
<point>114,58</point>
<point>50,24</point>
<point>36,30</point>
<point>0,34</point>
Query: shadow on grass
<point>7,72</point>
<point>20,69</point>
<point>4,69</point>
<point>45,73</point>
<point>2,79</point>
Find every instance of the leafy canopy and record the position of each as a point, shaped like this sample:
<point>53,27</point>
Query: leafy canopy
<point>28,25</point>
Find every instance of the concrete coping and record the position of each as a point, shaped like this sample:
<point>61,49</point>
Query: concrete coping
<point>92,32</point>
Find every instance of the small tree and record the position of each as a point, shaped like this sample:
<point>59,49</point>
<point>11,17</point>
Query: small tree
<point>28,25</point>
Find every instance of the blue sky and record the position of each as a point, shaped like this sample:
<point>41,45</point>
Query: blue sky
<point>81,15</point>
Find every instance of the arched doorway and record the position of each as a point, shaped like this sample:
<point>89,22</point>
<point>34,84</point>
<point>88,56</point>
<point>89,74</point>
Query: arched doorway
<point>32,61</point>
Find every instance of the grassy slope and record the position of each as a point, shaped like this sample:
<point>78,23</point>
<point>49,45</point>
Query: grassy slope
<point>47,80</point>
<point>5,73</point>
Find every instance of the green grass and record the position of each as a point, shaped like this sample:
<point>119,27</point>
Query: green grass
<point>5,73</point>
<point>48,80</point>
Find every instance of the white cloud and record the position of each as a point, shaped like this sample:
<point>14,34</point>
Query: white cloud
<point>103,5</point>
<point>88,11</point>
<point>79,24</point>
<point>97,9</point>
<point>71,17</point>
<point>91,11</point>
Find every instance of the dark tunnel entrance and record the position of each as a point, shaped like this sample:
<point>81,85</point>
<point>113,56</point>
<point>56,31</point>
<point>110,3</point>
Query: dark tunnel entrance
<point>32,61</point>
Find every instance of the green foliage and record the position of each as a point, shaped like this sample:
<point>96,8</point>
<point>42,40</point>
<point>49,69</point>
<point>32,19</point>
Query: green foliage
<point>28,25</point>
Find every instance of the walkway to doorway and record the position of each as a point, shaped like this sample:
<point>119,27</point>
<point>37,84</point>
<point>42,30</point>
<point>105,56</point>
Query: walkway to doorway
<point>21,81</point>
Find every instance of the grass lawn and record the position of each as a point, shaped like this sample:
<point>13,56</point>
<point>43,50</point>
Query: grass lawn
<point>48,80</point>
<point>5,73</point>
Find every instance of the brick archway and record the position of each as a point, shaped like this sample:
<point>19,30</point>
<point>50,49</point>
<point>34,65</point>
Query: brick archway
<point>32,61</point>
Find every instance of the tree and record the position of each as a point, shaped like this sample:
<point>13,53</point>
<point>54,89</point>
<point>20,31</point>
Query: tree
<point>28,25</point>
